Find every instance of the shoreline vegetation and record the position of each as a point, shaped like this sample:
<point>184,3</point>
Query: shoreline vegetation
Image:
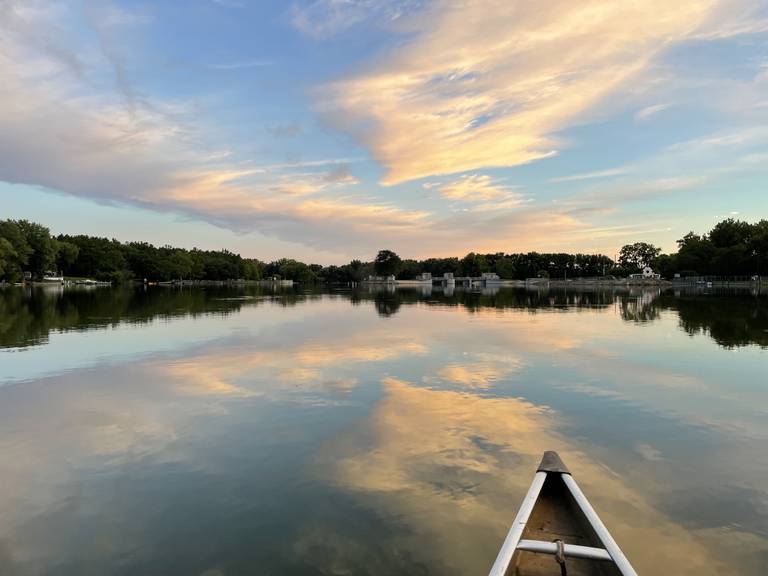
<point>733,251</point>
<point>732,319</point>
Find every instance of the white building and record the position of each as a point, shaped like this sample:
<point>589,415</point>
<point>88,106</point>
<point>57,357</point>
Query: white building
<point>646,274</point>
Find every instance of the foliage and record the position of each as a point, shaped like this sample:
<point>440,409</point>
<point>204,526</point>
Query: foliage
<point>66,254</point>
<point>7,256</point>
<point>473,265</point>
<point>287,269</point>
<point>637,256</point>
<point>15,258</point>
<point>387,263</point>
<point>43,252</point>
<point>731,248</point>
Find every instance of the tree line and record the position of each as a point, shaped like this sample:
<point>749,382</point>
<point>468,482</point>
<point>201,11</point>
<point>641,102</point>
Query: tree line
<point>731,248</point>
<point>732,321</point>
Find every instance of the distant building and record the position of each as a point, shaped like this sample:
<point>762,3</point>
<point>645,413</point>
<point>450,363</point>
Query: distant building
<point>381,279</point>
<point>424,277</point>
<point>490,278</point>
<point>646,274</point>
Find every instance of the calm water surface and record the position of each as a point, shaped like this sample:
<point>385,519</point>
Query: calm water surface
<point>231,432</point>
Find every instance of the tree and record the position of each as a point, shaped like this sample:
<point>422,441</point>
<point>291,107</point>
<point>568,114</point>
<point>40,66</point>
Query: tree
<point>694,255</point>
<point>98,258</point>
<point>665,265</point>
<point>638,255</point>
<point>253,269</point>
<point>730,233</point>
<point>505,268</point>
<point>409,269</point>
<point>355,271</point>
<point>387,263</point>
<point>66,254</point>
<point>18,256</point>
<point>473,265</point>
<point>758,246</point>
<point>43,254</point>
<point>7,257</point>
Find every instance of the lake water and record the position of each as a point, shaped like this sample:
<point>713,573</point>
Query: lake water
<point>213,432</point>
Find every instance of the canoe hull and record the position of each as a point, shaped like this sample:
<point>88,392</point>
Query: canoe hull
<point>556,516</point>
<point>557,531</point>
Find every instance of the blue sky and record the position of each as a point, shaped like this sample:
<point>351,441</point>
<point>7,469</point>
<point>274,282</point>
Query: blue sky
<point>327,129</point>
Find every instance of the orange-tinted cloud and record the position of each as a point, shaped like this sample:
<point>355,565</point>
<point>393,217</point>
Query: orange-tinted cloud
<point>452,468</point>
<point>490,83</point>
<point>472,188</point>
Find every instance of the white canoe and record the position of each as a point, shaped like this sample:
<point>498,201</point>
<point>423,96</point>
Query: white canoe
<point>557,532</point>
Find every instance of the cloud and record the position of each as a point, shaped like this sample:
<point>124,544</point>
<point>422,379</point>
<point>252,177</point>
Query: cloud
<point>608,198</point>
<point>479,374</point>
<point>491,83</point>
<point>473,188</point>
<point>340,176</point>
<point>241,65</point>
<point>468,459</point>
<point>428,108</point>
<point>648,111</point>
<point>313,183</point>
<point>590,175</point>
<point>108,20</point>
<point>325,18</point>
<point>57,134</point>
<point>285,130</point>
<point>304,364</point>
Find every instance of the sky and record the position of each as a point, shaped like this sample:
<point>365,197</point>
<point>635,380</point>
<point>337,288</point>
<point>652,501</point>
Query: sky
<point>325,130</point>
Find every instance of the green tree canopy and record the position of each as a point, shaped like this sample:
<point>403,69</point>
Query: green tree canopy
<point>638,255</point>
<point>7,256</point>
<point>43,255</point>
<point>473,265</point>
<point>730,233</point>
<point>387,263</point>
<point>17,257</point>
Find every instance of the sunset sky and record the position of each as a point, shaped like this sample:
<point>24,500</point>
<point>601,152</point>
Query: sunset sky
<point>325,130</point>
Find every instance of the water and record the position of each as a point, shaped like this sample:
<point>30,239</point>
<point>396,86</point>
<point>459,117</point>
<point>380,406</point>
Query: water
<point>224,432</point>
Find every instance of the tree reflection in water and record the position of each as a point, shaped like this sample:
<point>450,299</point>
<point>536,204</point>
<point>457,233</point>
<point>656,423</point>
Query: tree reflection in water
<point>27,316</point>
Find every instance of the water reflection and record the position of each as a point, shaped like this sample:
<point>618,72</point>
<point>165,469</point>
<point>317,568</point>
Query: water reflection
<point>373,431</point>
<point>454,463</point>
<point>732,318</point>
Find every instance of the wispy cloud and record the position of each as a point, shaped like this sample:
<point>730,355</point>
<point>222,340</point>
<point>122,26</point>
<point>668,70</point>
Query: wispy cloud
<point>608,198</point>
<point>241,65</point>
<point>473,188</point>
<point>313,183</point>
<point>430,108</point>
<point>109,20</point>
<point>230,3</point>
<point>590,175</point>
<point>285,130</point>
<point>57,136</point>
<point>648,111</point>
<point>311,163</point>
<point>490,83</point>
<point>326,18</point>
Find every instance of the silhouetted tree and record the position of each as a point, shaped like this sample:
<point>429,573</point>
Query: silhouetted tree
<point>387,263</point>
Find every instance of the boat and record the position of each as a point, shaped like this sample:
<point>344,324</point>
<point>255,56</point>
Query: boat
<point>53,278</point>
<point>556,531</point>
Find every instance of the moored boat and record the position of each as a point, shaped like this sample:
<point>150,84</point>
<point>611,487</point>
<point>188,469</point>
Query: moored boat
<point>53,278</point>
<point>556,531</point>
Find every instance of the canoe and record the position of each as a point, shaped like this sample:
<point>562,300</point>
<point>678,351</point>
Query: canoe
<point>556,531</point>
